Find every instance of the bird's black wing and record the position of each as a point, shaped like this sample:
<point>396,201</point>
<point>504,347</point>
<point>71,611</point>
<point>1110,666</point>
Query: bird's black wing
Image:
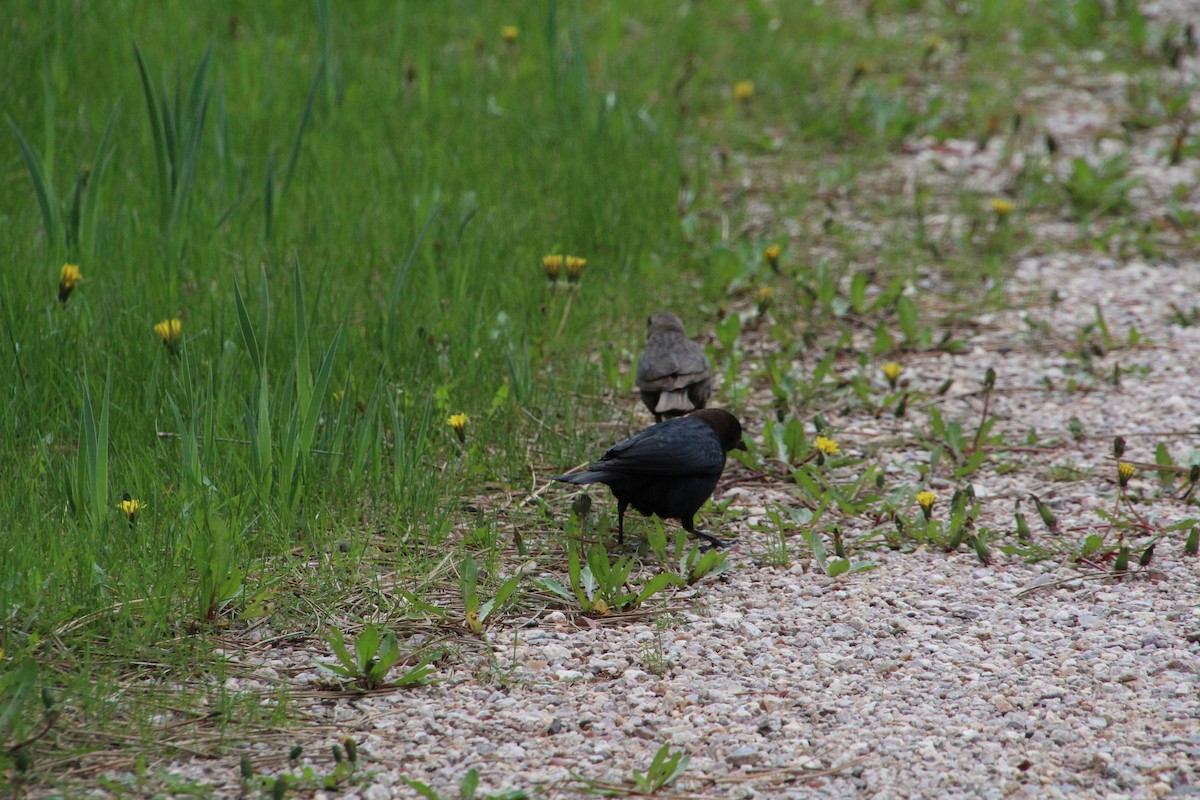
<point>683,446</point>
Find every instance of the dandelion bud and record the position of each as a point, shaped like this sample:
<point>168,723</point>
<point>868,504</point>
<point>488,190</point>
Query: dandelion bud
<point>1122,562</point>
<point>1002,208</point>
<point>839,546</point>
<point>766,294</point>
<point>1118,446</point>
<point>575,267</point>
<point>1192,546</point>
<point>1048,516</point>
<point>982,551</point>
<point>957,534</point>
<point>67,278</point>
<point>171,332</point>
<point>989,379</point>
<point>458,422</point>
<point>1125,471</point>
<point>892,371</point>
<point>1023,532</point>
<point>771,254</point>
<point>1147,555</point>
<point>925,500</point>
<point>553,266</point>
<point>582,505</point>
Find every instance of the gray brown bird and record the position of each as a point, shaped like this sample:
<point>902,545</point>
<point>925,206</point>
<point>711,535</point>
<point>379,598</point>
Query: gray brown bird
<point>672,373</point>
<point>668,469</point>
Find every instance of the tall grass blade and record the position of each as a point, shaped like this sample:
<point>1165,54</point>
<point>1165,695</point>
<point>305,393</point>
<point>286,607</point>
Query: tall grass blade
<point>305,117</point>
<point>158,135</point>
<point>401,280</point>
<point>47,201</point>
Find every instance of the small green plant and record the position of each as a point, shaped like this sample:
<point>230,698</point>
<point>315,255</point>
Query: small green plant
<point>598,586</point>
<point>663,771</point>
<point>665,768</point>
<point>477,613</point>
<point>835,566</point>
<point>467,789</point>
<point>213,547</point>
<point>685,557</point>
<point>1094,191</point>
<point>654,658</point>
<point>309,780</point>
<point>373,656</point>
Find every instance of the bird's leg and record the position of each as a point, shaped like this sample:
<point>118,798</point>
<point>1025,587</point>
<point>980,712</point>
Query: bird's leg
<point>621,506</point>
<point>689,525</point>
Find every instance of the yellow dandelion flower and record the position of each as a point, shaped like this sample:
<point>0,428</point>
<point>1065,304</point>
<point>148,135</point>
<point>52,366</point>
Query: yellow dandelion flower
<point>509,34</point>
<point>743,91</point>
<point>892,371</point>
<point>771,254</point>
<point>170,331</point>
<point>925,500</point>
<point>131,507</point>
<point>553,266</point>
<point>1125,471</point>
<point>765,295</point>
<point>474,623</point>
<point>575,267</point>
<point>459,423</point>
<point>67,279</point>
<point>1002,207</point>
<point>827,446</point>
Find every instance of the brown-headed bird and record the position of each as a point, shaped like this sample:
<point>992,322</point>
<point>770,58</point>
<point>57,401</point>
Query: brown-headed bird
<point>672,373</point>
<point>668,469</point>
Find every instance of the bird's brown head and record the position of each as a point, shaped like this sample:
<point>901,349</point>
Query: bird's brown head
<point>726,425</point>
<point>663,322</point>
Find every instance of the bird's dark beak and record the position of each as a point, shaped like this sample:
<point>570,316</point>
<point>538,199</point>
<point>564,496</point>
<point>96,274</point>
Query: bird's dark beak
<point>741,445</point>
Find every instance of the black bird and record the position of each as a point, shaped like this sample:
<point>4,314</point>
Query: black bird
<point>672,373</point>
<point>668,469</point>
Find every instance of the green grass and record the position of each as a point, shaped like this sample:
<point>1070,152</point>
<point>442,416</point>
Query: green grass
<point>347,209</point>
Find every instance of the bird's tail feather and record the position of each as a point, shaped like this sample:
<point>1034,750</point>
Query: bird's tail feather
<point>581,478</point>
<point>677,400</point>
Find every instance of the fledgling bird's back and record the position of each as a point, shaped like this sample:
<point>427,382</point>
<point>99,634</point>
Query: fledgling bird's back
<point>673,371</point>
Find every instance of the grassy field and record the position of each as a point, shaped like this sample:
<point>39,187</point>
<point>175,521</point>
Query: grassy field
<point>347,210</point>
